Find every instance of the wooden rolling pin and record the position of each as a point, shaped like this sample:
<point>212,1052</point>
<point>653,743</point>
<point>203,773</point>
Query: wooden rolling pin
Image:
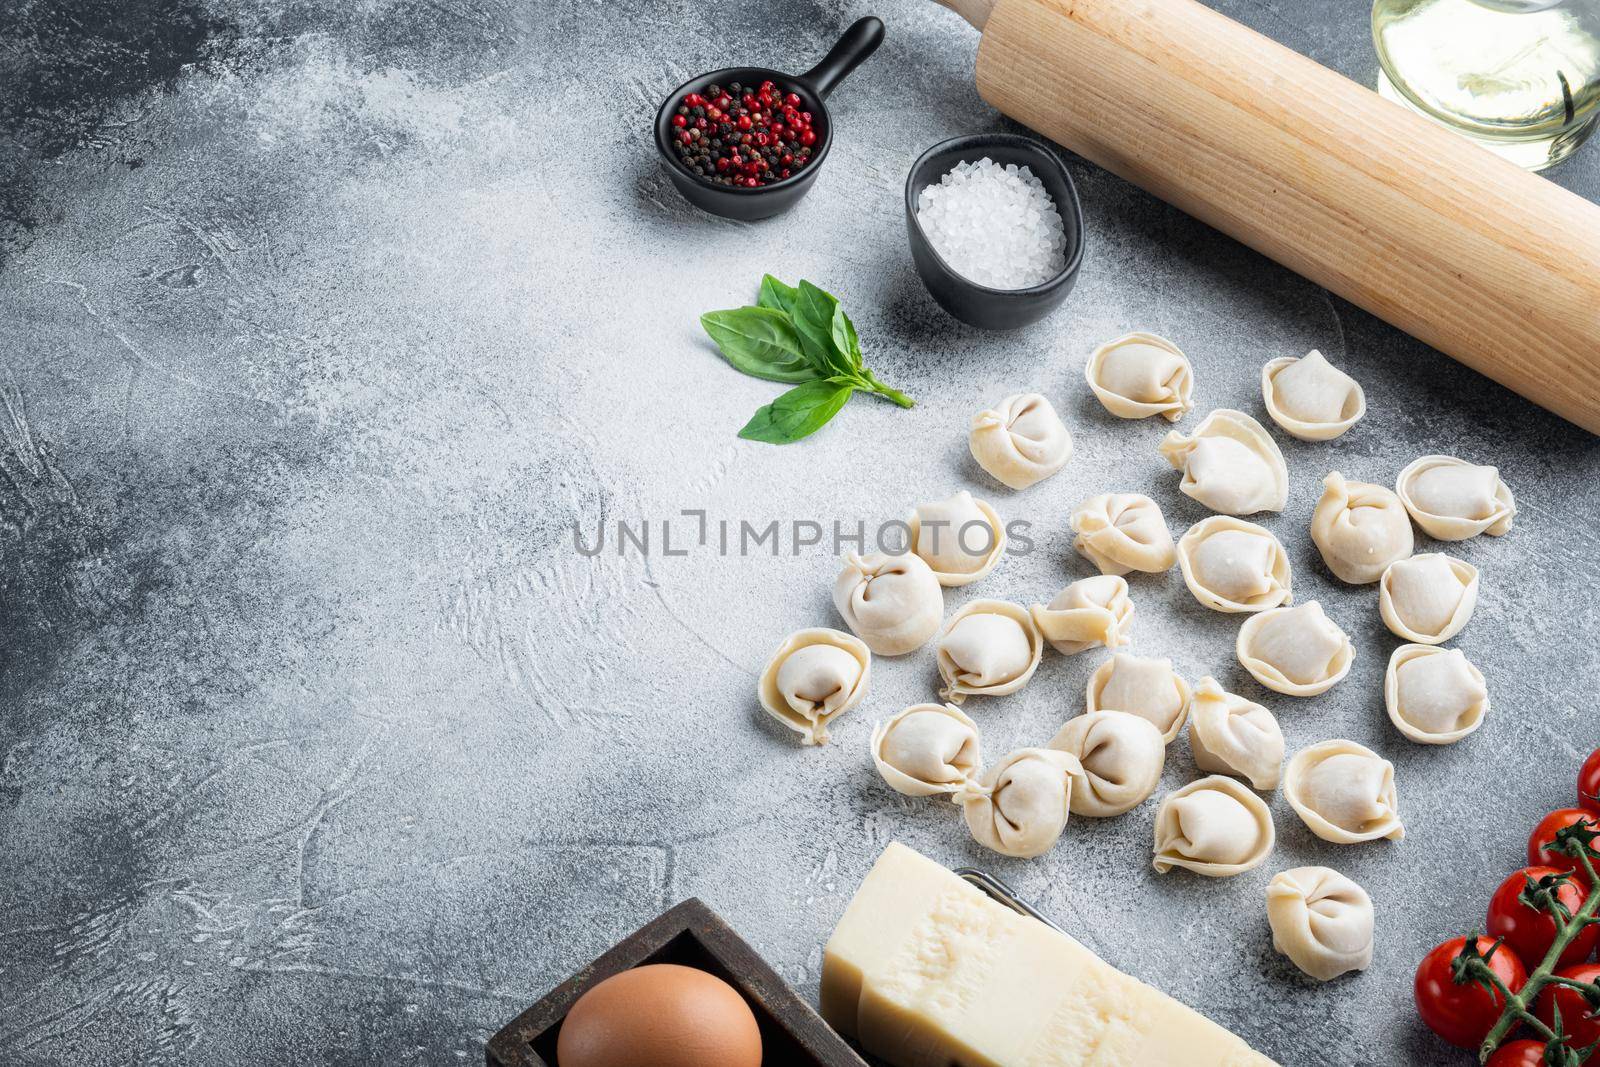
<point>1484,261</point>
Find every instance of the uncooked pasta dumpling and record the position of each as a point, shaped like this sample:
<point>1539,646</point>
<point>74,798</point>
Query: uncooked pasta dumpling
<point>893,603</point>
<point>1360,529</point>
<point>1231,735</point>
<point>1344,792</point>
<point>1020,807</point>
<point>1321,920</point>
<point>1122,532</point>
<point>1139,375</point>
<point>1311,398</point>
<point>926,750</point>
<point>960,539</point>
<point>1121,755</point>
<point>815,676</point>
<point>1299,652</point>
<point>1435,696</point>
<point>1453,500</point>
<point>1020,441</point>
<point>1231,464</point>
<point>988,648</point>
<point>1215,827</point>
<point>1427,598</point>
<point>1148,688</point>
<point>1089,613</point>
<point>1233,565</point>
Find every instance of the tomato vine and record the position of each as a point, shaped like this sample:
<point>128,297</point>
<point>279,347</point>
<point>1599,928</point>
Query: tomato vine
<point>1471,965</point>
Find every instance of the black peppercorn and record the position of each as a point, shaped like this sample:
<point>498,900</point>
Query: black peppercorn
<point>747,143</point>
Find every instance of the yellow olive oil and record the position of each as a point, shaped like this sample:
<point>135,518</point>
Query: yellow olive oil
<point>1521,77</point>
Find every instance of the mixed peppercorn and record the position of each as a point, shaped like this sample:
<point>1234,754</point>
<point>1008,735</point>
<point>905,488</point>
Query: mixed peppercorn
<point>743,135</point>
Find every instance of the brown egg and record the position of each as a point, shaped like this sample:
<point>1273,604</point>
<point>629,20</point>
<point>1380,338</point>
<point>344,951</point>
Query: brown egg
<point>660,1015</point>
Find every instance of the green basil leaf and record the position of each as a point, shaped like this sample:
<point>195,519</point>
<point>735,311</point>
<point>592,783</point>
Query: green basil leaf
<point>798,413</point>
<point>776,295</point>
<point>844,333</point>
<point>813,315</point>
<point>761,342</point>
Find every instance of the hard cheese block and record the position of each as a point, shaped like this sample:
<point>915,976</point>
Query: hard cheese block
<point>925,970</point>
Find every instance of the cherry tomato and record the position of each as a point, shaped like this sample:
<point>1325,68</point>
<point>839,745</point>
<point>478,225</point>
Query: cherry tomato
<point>1589,782</point>
<point>1528,931</point>
<point>1463,1014</point>
<point>1523,1052</point>
<point>1576,1024</point>
<point>1581,1030</point>
<point>1545,832</point>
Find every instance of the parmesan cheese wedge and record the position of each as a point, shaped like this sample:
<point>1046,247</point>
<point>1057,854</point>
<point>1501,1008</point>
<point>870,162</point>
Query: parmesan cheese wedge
<point>925,970</point>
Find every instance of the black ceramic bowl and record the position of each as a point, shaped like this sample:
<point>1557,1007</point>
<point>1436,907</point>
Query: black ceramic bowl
<point>737,202</point>
<point>979,305</point>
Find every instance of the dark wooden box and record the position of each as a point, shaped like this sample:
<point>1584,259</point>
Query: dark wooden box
<point>792,1033</point>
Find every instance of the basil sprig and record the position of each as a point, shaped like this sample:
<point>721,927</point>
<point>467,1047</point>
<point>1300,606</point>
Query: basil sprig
<point>802,336</point>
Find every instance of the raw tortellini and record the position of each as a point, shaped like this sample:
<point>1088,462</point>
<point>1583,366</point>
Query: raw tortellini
<point>988,648</point>
<point>1299,652</point>
<point>1122,532</point>
<point>1453,500</point>
<point>1020,807</point>
<point>1231,735</point>
<point>1360,529</point>
<point>1140,375</point>
<point>1088,613</point>
<point>1148,688</point>
<point>1233,565</point>
<point>1344,792</point>
<point>893,603</point>
<point>1231,464</point>
<point>961,539</point>
<point>926,750</point>
<point>1311,398</point>
<point>1121,756</point>
<point>1020,441</point>
<point>1215,827</point>
<point>1321,920</point>
<point>1433,694</point>
<point>1427,598</point>
<point>814,677</point>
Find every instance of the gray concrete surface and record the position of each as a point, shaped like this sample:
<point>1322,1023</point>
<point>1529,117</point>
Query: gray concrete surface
<point>321,325</point>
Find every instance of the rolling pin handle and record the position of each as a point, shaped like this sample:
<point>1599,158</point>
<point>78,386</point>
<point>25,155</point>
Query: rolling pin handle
<point>976,12</point>
<point>859,41</point>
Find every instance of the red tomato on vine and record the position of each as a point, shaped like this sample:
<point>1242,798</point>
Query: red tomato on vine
<point>1589,783</point>
<point>1540,854</point>
<point>1577,1022</point>
<point>1463,1013</point>
<point>1523,1052</point>
<point>1520,914</point>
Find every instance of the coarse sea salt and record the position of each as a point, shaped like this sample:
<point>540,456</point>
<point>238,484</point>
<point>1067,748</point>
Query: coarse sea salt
<point>994,225</point>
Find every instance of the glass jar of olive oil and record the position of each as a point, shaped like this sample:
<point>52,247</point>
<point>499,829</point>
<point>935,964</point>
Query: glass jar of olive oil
<point>1520,77</point>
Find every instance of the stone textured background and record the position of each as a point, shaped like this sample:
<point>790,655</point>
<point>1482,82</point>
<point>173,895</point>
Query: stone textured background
<point>320,326</point>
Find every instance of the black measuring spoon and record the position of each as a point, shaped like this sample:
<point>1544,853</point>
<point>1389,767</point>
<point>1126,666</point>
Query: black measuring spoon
<point>738,202</point>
